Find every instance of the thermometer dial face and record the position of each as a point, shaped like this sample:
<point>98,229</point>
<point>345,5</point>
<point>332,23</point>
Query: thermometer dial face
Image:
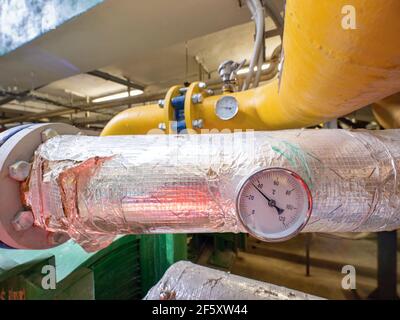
<point>226,108</point>
<point>274,204</point>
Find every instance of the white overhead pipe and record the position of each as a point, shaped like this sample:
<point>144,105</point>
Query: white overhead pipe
<point>257,11</point>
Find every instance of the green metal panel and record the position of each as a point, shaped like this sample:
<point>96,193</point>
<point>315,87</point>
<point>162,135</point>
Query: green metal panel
<point>124,270</point>
<point>111,273</point>
<point>157,254</point>
<point>14,280</point>
<point>79,285</point>
<point>117,275</point>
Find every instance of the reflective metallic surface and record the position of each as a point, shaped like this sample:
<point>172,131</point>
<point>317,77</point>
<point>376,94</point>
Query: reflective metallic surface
<point>94,188</point>
<point>187,281</point>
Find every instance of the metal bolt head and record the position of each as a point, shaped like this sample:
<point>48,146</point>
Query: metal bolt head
<point>23,220</point>
<point>202,85</point>
<point>197,124</point>
<point>197,98</point>
<point>48,134</point>
<point>210,92</point>
<point>162,126</point>
<point>161,103</point>
<point>57,238</point>
<point>19,171</point>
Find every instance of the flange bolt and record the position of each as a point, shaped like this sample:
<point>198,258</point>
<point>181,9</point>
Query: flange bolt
<point>197,98</point>
<point>202,85</point>
<point>48,134</point>
<point>197,124</point>
<point>19,171</point>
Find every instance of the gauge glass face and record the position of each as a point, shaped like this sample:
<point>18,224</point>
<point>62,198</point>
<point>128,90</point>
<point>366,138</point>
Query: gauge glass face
<point>226,108</point>
<point>274,204</point>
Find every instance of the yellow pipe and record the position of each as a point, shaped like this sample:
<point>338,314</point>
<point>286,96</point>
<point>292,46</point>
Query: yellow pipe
<point>137,120</point>
<point>328,71</point>
<point>387,112</point>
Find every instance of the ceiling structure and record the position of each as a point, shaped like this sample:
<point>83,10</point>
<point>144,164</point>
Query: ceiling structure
<point>154,46</point>
<point>23,21</point>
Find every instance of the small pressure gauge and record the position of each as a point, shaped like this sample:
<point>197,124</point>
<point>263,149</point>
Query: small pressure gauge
<point>226,108</point>
<point>274,204</point>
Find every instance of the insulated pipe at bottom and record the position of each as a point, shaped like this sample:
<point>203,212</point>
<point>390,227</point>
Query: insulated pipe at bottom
<point>94,188</point>
<point>187,281</point>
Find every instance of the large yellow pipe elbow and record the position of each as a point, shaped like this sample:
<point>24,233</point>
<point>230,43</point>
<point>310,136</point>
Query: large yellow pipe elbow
<point>329,68</point>
<point>328,71</point>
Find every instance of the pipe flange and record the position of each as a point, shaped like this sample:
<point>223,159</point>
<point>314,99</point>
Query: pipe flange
<point>195,96</point>
<point>169,111</point>
<point>21,147</point>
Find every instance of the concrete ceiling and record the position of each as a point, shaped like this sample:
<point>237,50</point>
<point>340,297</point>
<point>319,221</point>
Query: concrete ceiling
<point>114,30</point>
<point>168,66</point>
<point>24,20</point>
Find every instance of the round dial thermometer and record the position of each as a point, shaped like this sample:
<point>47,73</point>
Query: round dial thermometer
<point>226,108</point>
<point>274,204</point>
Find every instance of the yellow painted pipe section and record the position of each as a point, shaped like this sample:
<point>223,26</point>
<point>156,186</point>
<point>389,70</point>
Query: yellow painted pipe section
<point>328,71</point>
<point>387,112</point>
<point>136,120</point>
<point>257,110</point>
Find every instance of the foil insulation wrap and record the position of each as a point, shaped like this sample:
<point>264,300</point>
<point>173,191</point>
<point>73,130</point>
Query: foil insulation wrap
<point>187,281</point>
<point>94,188</point>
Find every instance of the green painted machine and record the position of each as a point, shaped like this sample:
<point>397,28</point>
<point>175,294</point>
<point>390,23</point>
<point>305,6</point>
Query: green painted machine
<point>124,270</point>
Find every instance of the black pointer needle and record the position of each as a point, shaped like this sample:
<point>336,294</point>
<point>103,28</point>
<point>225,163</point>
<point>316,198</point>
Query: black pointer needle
<point>271,202</point>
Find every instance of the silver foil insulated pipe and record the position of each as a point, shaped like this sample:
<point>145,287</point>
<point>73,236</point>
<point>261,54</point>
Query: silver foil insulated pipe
<point>187,281</point>
<point>94,188</point>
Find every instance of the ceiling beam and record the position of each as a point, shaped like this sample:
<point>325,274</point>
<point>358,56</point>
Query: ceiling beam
<point>90,107</point>
<point>90,120</point>
<point>110,77</point>
<point>6,100</point>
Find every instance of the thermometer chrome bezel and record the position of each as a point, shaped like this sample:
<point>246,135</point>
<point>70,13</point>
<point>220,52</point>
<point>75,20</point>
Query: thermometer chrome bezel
<point>232,115</point>
<point>298,179</point>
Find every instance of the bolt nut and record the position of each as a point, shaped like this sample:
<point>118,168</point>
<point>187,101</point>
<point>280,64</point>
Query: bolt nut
<point>202,85</point>
<point>23,220</point>
<point>57,238</point>
<point>210,92</point>
<point>48,134</point>
<point>197,98</point>
<point>19,171</point>
<point>161,103</point>
<point>197,124</point>
<point>162,126</point>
